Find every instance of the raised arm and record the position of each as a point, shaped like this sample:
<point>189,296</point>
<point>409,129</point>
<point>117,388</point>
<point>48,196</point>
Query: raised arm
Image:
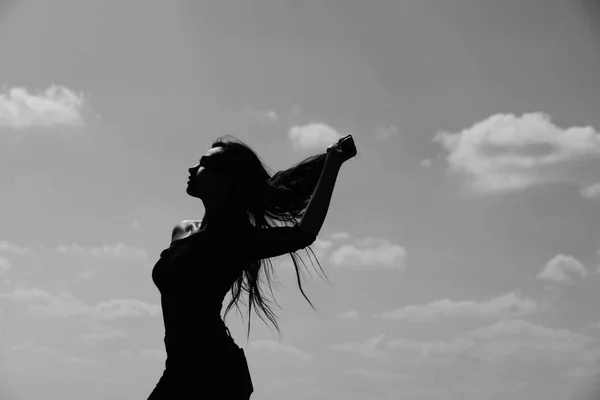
<point>314,215</point>
<point>273,242</point>
<point>316,211</point>
<point>276,241</point>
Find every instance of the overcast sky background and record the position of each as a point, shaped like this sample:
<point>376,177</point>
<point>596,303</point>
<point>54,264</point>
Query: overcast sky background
<point>462,244</point>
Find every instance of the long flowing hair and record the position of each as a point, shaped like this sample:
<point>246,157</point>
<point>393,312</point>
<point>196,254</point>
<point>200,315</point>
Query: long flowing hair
<point>263,200</point>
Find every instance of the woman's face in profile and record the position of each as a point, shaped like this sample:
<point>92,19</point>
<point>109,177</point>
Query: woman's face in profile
<point>207,178</point>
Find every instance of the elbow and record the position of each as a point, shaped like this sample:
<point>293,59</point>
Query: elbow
<point>308,237</point>
<point>310,240</point>
<point>305,230</point>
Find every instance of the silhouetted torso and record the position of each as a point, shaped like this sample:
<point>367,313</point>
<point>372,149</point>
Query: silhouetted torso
<point>193,276</point>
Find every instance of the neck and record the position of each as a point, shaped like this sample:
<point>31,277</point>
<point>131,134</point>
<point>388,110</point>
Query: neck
<point>221,219</point>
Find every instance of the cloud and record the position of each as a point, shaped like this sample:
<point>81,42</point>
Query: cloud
<point>370,253</point>
<point>313,136</point>
<point>386,132</point>
<point>268,116</point>
<point>6,247</point>
<point>591,191</point>
<point>154,353</point>
<point>436,348</point>
<point>561,269</point>
<point>65,305</point>
<point>513,338</point>
<point>507,152</point>
<point>58,105</point>
<point>522,339</point>
<point>366,349</point>
<point>373,374</point>
<point>95,337</point>
<point>508,304</point>
<point>348,315</point>
<point>520,327</point>
<point>322,245</point>
<point>42,353</point>
<point>426,163</point>
<point>276,347</point>
<point>339,236</point>
<point>117,251</point>
<point>4,265</point>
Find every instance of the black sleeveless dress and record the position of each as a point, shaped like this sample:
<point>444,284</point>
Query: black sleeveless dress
<point>193,276</point>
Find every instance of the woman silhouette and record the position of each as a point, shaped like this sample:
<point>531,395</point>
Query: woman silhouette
<point>225,251</point>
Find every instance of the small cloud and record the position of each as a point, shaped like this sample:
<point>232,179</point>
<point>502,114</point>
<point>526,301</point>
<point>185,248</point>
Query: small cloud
<point>313,136</point>
<point>435,348</point>
<point>322,244</point>
<point>65,305</point>
<point>426,163</point>
<point>95,337</point>
<point>266,117</point>
<point>508,304</point>
<point>276,347</point>
<point>386,132</point>
<point>58,105</point>
<point>591,191</point>
<point>353,315</point>
<point>562,268</point>
<point>117,251</point>
<point>522,327</point>
<point>507,153</point>
<point>372,374</point>
<point>153,353</point>
<point>4,265</point>
<point>366,349</point>
<point>340,236</point>
<point>271,115</point>
<point>6,247</point>
<point>370,253</point>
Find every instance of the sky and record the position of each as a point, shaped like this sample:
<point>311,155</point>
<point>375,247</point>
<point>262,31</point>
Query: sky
<point>462,245</point>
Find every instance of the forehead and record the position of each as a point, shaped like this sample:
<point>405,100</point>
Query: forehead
<point>215,151</point>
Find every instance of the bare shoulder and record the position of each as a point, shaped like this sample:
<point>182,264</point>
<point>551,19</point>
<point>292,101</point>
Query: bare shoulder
<point>184,228</point>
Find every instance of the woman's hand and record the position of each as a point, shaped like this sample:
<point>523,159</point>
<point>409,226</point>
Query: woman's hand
<point>343,150</point>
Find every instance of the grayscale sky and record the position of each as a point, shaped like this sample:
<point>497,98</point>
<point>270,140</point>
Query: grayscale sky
<point>462,244</point>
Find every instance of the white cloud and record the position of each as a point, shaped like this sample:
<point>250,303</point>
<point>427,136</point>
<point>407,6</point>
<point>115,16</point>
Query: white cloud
<point>435,348</point>
<point>370,253</point>
<point>522,339</point>
<point>267,117</point>
<point>525,328</point>
<point>340,236</point>
<point>386,132</point>
<point>154,353</point>
<point>95,337</point>
<point>58,105</point>
<point>561,269</point>
<point>591,191</point>
<point>366,349</point>
<point>426,163</point>
<point>65,305</point>
<point>349,315</point>
<point>117,251</point>
<point>313,136</point>
<point>507,152</point>
<point>322,245</point>
<point>7,247</point>
<point>276,347</point>
<point>4,265</point>
<point>508,304</point>
<point>517,339</point>
<point>373,374</point>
